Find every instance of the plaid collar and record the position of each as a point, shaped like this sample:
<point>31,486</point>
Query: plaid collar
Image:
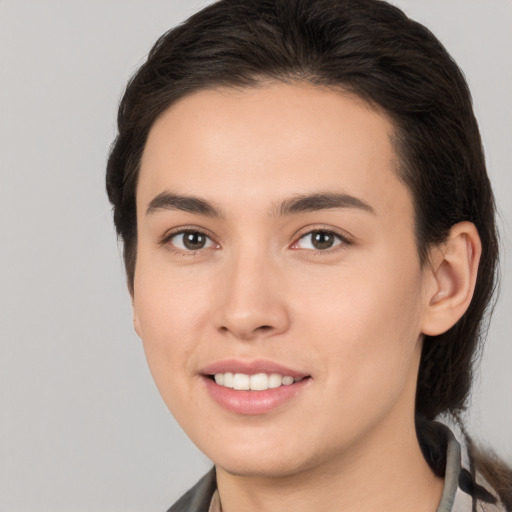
<point>465,489</point>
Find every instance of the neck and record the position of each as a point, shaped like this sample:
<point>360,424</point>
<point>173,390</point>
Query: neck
<point>386,472</point>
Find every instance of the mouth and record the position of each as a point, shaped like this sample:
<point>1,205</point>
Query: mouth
<point>254,382</point>
<point>252,388</point>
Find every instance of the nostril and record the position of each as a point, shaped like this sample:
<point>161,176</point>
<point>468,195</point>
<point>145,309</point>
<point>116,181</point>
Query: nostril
<point>264,328</point>
<point>250,333</point>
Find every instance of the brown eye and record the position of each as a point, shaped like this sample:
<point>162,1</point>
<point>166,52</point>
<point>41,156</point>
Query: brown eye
<point>319,240</point>
<point>322,240</point>
<point>194,241</point>
<point>191,241</point>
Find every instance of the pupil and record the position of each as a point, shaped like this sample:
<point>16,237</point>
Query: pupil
<point>194,241</point>
<point>322,240</point>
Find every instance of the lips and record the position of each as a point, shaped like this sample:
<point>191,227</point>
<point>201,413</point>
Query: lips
<point>251,368</point>
<point>255,387</point>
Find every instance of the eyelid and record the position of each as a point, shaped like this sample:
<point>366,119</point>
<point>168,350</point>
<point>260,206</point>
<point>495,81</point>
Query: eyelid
<point>171,233</point>
<point>345,238</point>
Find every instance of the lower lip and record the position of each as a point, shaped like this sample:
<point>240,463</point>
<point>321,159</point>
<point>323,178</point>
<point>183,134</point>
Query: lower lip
<point>253,402</point>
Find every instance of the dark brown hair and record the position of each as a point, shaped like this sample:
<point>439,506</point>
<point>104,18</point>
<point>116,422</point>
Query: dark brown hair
<point>365,47</point>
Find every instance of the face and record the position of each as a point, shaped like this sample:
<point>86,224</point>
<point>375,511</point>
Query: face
<point>278,291</point>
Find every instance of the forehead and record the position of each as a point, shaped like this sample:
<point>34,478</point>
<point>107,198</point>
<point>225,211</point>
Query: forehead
<point>260,144</point>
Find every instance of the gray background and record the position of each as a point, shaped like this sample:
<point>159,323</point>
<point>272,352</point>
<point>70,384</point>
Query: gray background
<point>82,427</point>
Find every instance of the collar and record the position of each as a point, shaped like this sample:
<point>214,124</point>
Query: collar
<point>465,489</point>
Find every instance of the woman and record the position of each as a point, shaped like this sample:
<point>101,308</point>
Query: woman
<point>310,247</point>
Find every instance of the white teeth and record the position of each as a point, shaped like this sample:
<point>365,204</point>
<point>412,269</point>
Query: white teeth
<point>259,382</point>
<point>227,380</point>
<point>274,380</point>
<point>241,381</point>
<point>256,382</point>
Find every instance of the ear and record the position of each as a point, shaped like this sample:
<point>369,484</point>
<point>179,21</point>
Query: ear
<point>136,322</point>
<point>452,278</point>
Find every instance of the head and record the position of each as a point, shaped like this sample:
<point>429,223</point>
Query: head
<point>365,49</point>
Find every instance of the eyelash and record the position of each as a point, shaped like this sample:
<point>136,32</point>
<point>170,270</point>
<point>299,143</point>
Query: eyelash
<point>341,241</point>
<point>167,241</point>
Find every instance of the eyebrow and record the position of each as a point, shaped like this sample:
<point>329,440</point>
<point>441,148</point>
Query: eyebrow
<point>321,201</point>
<point>295,205</point>
<point>189,204</point>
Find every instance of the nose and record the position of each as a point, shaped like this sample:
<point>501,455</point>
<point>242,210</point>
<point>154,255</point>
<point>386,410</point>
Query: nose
<point>252,303</point>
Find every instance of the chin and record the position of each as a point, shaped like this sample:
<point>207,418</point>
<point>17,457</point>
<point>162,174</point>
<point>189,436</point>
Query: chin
<point>261,467</point>
<point>281,459</point>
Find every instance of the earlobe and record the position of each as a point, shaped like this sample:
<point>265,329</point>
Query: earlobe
<point>136,323</point>
<point>454,269</point>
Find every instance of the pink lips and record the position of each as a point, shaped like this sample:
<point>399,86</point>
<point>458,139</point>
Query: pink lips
<point>252,402</point>
<point>250,368</point>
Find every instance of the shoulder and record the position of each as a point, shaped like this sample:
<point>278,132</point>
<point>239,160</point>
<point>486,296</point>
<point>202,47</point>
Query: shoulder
<point>198,498</point>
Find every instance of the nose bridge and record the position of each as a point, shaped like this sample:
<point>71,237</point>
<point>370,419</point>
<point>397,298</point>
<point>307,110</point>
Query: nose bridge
<point>253,303</point>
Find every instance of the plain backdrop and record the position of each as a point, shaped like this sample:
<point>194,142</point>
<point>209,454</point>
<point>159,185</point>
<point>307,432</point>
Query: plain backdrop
<point>82,427</point>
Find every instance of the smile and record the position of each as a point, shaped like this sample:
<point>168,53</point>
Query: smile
<point>253,387</point>
<point>256,382</point>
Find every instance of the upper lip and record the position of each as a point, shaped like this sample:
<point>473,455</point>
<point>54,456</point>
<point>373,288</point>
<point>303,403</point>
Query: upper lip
<point>250,368</point>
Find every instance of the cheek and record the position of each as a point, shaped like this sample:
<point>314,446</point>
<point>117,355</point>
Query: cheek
<point>365,321</point>
<point>171,310</point>
<point>170,301</point>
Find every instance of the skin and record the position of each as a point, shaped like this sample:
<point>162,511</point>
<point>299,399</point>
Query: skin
<point>351,316</point>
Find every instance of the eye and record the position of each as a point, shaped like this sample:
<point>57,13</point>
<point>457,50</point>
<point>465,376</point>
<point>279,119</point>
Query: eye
<point>191,240</point>
<point>319,240</point>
